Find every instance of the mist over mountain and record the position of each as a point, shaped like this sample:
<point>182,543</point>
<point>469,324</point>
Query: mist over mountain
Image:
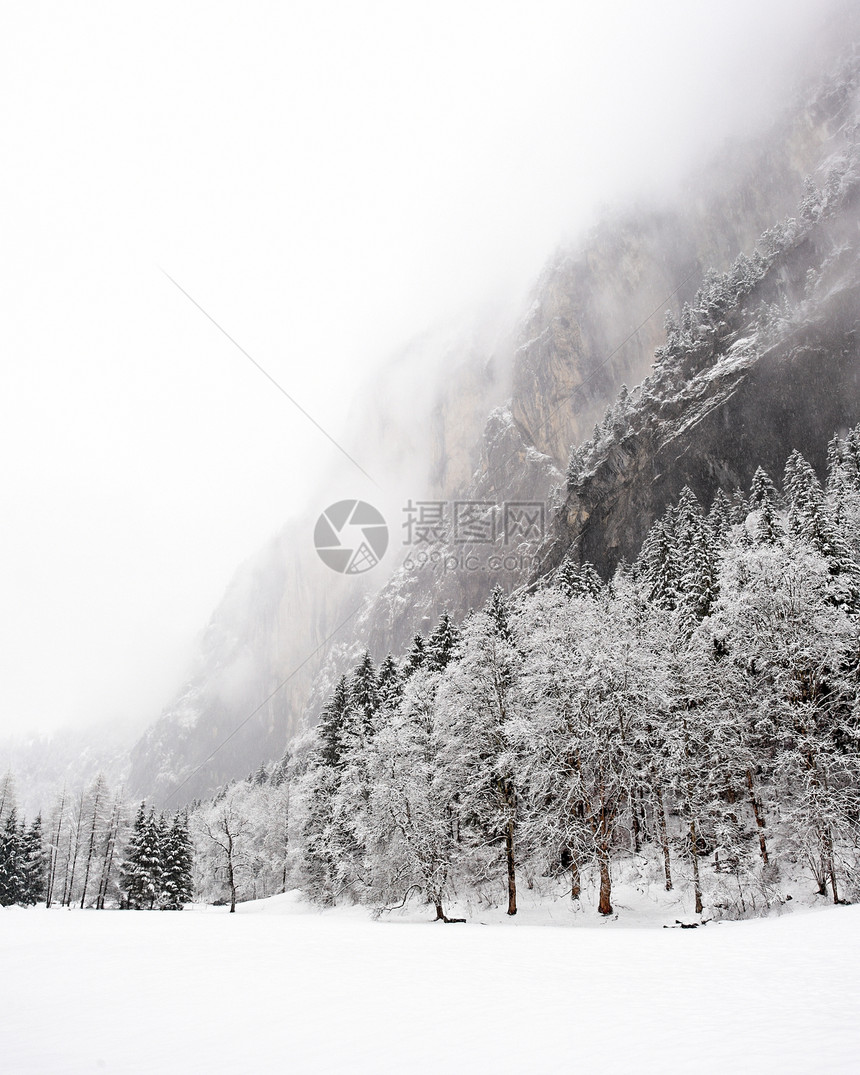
<point>486,408</point>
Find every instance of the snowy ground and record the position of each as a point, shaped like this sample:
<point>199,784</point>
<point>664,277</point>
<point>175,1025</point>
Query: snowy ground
<point>281,987</point>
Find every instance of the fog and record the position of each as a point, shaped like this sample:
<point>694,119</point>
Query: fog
<point>326,182</point>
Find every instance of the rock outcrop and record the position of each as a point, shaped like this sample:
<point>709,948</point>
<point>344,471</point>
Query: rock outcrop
<point>288,625</point>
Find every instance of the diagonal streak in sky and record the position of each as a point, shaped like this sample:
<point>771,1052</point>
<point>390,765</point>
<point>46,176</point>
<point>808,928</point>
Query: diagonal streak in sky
<point>269,377</point>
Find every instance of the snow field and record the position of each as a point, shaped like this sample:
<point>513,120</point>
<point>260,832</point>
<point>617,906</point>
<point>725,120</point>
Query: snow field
<point>281,987</point>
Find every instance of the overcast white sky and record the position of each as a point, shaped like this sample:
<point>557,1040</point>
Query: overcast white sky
<point>325,179</point>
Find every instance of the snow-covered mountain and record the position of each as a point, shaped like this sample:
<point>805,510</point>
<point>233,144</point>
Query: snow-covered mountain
<point>508,397</point>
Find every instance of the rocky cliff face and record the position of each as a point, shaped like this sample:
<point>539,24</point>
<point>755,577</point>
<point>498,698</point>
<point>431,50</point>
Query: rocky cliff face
<point>598,312</point>
<point>769,384</point>
<point>288,625</point>
<point>286,619</point>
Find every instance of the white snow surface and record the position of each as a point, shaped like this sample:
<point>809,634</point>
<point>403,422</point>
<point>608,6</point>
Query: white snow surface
<point>282,987</point>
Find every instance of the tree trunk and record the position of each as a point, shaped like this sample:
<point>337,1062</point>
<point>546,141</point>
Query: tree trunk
<point>759,820</point>
<point>107,861</point>
<point>55,852</point>
<point>639,820</point>
<point>829,864</point>
<point>512,874</point>
<point>604,905</point>
<point>694,842</point>
<point>92,845</point>
<point>660,813</point>
<point>68,891</point>
<point>575,879</point>
<point>66,874</point>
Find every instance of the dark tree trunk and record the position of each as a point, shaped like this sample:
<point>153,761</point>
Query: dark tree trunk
<point>107,862</point>
<point>575,879</point>
<point>604,905</point>
<point>512,873</point>
<point>660,814</point>
<point>694,848</point>
<point>759,819</point>
<point>829,864</point>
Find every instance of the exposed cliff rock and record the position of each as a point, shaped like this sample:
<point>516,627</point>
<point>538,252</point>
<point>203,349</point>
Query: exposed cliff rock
<point>748,396</point>
<point>598,311</point>
<point>781,371</point>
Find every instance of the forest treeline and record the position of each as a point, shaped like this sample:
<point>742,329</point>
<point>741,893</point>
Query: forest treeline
<point>700,708</point>
<point>88,852</point>
<point>697,713</point>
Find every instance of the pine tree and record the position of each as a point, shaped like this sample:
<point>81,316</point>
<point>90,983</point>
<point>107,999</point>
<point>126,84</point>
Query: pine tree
<point>835,465</point>
<point>720,517</point>
<point>762,489</point>
<point>330,733</point>
<point>32,869</point>
<point>740,507</point>
<point>763,497</point>
<point>12,881</point>
<point>416,657</point>
<point>695,556</point>
<point>498,610</point>
<point>142,864</point>
<point>389,684</point>
<point>578,580</point>
<point>768,529</point>
<point>176,877</point>
<point>442,643</point>
<point>656,564</point>
<point>364,696</point>
<point>806,502</point>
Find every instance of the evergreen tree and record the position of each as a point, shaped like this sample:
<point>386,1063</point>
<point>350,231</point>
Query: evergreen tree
<point>498,611</point>
<point>695,556</point>
<point>330,732</point>
<point>657,566</point>
<point>578,580</point>
<point>176,877</point>
<point>720,517</point>
<point>12,882</point>
<point>761,490</point>
<point>141,869</point>
<point>389,683</point>
<point>806,502</point>
<point>740,507</point>
<point>763,498</point>
<point>768,529</point>
<point>32,863</point>
<point>416,657</point>
<point>364,697</point>
<point>442,643</point>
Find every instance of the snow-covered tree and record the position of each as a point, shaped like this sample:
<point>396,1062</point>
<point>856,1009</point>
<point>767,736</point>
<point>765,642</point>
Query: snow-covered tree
<point>475,706</point>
